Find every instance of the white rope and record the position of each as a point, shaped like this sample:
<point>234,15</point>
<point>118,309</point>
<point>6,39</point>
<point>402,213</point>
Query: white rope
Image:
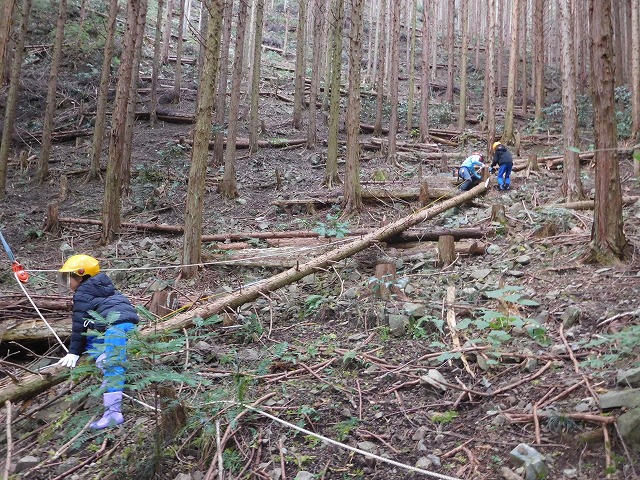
<point>37,310</point>
<point>347,447</point>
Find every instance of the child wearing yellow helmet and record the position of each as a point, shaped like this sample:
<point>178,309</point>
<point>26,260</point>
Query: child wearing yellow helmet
<point>102,317</point>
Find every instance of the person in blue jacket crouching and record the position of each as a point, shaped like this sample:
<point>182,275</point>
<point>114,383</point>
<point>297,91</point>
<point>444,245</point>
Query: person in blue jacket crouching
<point>99,306</point>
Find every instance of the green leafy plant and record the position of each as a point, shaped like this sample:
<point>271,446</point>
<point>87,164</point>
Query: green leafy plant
<point>498,324</point>
<point>444,417</point>
<point>612,347</point>
<point>333,227</point>
<point>344,428</point>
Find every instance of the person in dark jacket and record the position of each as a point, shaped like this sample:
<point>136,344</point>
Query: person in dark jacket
<point>99,307</point>
<point>504,160</point>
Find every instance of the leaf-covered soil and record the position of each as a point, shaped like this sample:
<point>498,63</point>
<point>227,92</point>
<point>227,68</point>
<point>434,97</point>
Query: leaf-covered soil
<point>319,354</point>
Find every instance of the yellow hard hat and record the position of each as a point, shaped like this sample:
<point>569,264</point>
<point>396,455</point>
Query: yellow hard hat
<point>81,265</point>
<point>495,145</point>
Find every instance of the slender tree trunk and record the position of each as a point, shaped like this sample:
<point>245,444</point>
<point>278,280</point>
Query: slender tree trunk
<point>229,186</point>
<point>192,242</point>
<point>331,172</point>
<point>412,65</point>
<point>168,27</point>
<point>6,23</point>
<point>507,135</point>
<point>490,85</point>
<point>608,243</point>
<point>103,92</point>
<point>635,69</point>
<point>451,50</point>
<point>155,72</point>
<point>425,75</point>
<point>318,16</point>
<point>111,205</point>
<point>393,81</point>
<point>380,69</point>
<point>298,96</point>
<point>177,81</point>
<point>285,41</point>
<point>464,55</point>
<point>571,183</point>
<point>52,87</point>
<point>133,96</point>
<point>523,54</point>
<point>221,92</point>
<point>12,96</point>
<point>352,193</point>
<point>255,81</point>
<point>538,57</point>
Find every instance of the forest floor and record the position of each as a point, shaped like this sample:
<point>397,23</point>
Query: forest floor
<point>320,353</point>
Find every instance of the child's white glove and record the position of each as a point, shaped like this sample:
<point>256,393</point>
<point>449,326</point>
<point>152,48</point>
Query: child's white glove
<point>69,360</point>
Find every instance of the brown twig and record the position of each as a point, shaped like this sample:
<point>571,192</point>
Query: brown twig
<point>585,417</point>
<point>536,423</point>
<point>368,434</point>
<point>359,399</point>
<point>283,464</point>
<point>89,460</point>
<point>607,449</point>
<point>453,451</point>
<point>562,394</point>
<point>7,464</point>
<point>576,365</point>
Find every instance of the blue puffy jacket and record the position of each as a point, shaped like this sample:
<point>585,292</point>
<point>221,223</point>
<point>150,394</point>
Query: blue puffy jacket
<point>501,156</point>
<point>98,294</point>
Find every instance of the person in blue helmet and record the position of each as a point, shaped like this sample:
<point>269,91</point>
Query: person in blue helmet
<point>468,171</point>
<point>503,159</point>
<point>99,307</point>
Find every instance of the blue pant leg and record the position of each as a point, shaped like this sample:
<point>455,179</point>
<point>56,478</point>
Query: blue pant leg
<point>465,174</point>
<point>506,172</point>
<point>115,342</point>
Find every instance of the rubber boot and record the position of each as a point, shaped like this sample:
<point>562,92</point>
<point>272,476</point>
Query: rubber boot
<point>112,415</point>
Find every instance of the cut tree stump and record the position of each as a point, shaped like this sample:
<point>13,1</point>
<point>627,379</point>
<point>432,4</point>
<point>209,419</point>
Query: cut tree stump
<point>498,214</point>
<point>446,250</point>
<point>52,222</point>
<point>385,272</point>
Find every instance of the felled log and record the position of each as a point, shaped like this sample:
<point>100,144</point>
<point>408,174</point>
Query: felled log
<point>15,329</point>
<point>33,384</point>
<point>167,117</point>
<point>243,143</point>
<point>589,204</point>
<point>371,195</point>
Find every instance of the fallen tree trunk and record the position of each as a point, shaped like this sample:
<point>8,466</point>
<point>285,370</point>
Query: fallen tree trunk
<point>233,300</point>
<point>589,204</point>
<point>410,235</point>
<point>243,143</point>
<point>32,384</point>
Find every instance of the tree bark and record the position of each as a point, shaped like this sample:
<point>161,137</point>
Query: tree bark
<point>255,81</point>
<point>318,17</point>
<point>393,82</point>
<point>229,186</point>
<point>177,77</point>
<point>192,241</point>
<point>12,96</point>
<point>6,23</point>
<point>52,87</point>
<point>635,69</point>
<point>380,70</point>
<point>425,75</point>
<point>451,44</point>
<point>111,205</point>
<point>157,45</point>
<point>464,55</point>
<point>331,176</point>
<point>352,194</point>
<point>507,135</point>
<point>298,98</point>
<point>571,183</point>
<point>538,57</point>
<point>221,91</point>
<point>608,243</point>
